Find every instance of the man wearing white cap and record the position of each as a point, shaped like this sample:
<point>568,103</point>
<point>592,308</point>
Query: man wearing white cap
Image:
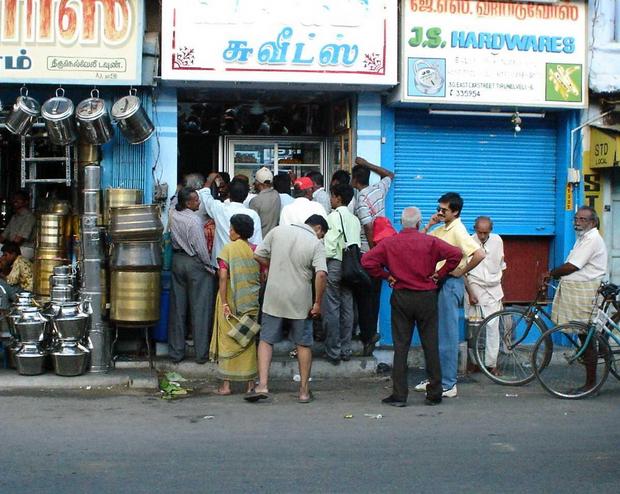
<point>267,201</point>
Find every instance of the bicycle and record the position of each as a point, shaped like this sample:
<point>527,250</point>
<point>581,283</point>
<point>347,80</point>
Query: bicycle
<point>581,353</point>
<point>518,329</point>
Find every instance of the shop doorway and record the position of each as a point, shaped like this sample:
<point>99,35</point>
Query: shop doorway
<point>613,232</point>
<point>239,132</point>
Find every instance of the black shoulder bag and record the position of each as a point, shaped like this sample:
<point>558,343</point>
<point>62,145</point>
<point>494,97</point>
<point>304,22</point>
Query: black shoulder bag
<point>353,274</point>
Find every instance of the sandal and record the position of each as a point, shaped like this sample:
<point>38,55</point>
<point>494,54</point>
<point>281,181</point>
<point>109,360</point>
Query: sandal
<point>255,396</point>
<point>309,399</point>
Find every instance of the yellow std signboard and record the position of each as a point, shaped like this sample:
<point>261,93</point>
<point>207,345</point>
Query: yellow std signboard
<point>604,148</point>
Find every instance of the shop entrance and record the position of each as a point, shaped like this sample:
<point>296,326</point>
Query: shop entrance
<point>239,132</point>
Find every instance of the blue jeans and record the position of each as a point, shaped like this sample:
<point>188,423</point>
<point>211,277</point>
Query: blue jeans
<point>449,304</point>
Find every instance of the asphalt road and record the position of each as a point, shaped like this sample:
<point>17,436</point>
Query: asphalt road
<point>488,439</point>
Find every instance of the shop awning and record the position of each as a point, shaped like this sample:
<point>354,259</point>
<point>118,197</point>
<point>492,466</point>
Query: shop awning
<point>604,148</point>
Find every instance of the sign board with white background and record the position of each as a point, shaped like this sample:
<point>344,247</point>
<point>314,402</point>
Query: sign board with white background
<point>284,41</point>
<point>484,52</point>
<point>74,42</point>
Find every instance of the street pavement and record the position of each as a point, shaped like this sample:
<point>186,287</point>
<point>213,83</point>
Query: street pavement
<point>489,439</point>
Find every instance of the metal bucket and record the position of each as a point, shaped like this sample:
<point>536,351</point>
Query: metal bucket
<point>93,119</point>
<point>92,202</point>
<point>24,114</point>
<point>92,177</point>
<point>132,120</point>
<point>140,222</point>
<point>136,256</point>
<point>114,198</point>
<point>53,231</point>
<point>59,207</point>
<point>135,297</point>
<point>59,121</point>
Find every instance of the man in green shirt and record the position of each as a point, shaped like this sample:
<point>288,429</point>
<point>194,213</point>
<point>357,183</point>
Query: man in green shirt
<point>344,230</point>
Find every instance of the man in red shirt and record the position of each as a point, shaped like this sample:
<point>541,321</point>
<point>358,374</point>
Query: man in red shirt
<point>407,261</point>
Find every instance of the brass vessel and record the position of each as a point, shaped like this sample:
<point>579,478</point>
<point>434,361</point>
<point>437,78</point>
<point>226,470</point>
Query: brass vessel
<point>53,231</point>
<point>46,260</point>
<point>135,297</point>
<point>138,222</point>
<point>114,198</point>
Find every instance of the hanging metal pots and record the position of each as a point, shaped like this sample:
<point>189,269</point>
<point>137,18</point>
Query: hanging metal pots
<point>132,120</point>
<point>59,119</point>
<point>93,119</point>
<point>24,114</point>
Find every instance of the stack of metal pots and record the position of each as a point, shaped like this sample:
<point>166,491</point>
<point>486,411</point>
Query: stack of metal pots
<point>69,321</point>
<point>92,262</point>
<point>135,264</point>
<point>52,248</point>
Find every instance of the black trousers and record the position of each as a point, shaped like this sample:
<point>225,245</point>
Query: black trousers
<point>420,308</point>
<point>368,301</point>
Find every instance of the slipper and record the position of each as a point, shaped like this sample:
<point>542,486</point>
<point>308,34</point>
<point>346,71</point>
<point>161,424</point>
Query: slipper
<point>255,396</point>
<point>306,400</point>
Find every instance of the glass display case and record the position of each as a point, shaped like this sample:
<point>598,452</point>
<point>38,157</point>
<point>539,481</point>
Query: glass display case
<point>299,156</point>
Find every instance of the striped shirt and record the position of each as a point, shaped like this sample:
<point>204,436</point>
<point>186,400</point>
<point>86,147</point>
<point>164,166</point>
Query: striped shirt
<point>370,204</point>
<point>187,234</point>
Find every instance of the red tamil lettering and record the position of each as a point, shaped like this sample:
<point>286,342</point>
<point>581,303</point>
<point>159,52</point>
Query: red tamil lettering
<point>9,26</point>
<point>88,20</point>
<point>67,21</point>
<point>45,20</point>
<point>117,20</point>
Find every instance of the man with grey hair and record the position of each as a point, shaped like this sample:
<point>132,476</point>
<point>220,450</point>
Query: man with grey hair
<point>484,288</point>
<point>580,278</point>
<point>408,261</point>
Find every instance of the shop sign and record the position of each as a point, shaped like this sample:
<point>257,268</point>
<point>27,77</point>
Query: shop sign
<point>288,41</point>
<point>71,42</point>
<point>493,53</point>
<point>603,149</point>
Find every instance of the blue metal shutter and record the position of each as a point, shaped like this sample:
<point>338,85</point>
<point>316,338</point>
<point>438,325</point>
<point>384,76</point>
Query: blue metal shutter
<point>511,178</point>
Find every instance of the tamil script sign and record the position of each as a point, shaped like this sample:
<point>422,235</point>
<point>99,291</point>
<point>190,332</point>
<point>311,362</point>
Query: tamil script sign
<point>493,53</point>
<point>298,41</point>
<point>75,41</point>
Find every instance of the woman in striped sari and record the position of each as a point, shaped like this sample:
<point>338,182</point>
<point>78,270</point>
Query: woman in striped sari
<point>237,296</point>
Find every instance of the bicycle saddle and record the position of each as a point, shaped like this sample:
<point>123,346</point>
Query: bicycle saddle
<point>609,290</point>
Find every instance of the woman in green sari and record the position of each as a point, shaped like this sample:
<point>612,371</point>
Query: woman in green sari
<point>239,277</point>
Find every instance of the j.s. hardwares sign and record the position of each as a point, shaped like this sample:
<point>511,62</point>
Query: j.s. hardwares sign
<point>493,53</point>
<point>328,41</point>
<point>71,41</point>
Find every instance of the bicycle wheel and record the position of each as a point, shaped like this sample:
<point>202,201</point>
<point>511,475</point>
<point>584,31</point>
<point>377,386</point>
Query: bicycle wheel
<point>572,366</point>
<point>615,348</point>
<point>505,342</point>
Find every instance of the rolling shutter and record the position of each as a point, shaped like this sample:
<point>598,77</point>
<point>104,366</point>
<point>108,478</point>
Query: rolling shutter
<point>509,177</point>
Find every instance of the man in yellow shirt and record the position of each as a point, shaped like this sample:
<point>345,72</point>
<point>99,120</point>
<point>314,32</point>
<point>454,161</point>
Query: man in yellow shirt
<point>451,291</point>
<point>20,275</point>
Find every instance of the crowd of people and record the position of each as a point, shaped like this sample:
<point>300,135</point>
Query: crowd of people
<point>273,256</point>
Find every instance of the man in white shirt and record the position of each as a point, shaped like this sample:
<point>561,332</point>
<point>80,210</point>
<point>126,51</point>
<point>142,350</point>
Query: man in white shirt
<point>319,194</point>
<point>580,277</point>
<point>222,212</point>
<point>302,207</point>
<point>484,285</point>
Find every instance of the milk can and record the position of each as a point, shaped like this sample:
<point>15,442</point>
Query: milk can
<point>132,120</point>
<point>58,115</point>
<point>24,114</point>
<point>93,119</point>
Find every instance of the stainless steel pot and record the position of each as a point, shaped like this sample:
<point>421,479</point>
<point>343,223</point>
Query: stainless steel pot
<point>24,114</point>
<point>59,120</point>
<point>136,256</point>
<point>132,120</point>
<point>139,222</point>
<point>93,244</point>
<point>31,326</point>
<point>62,293</point>
<point>70,360</point>
<point>30,360</point>
<point>93,119</point>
